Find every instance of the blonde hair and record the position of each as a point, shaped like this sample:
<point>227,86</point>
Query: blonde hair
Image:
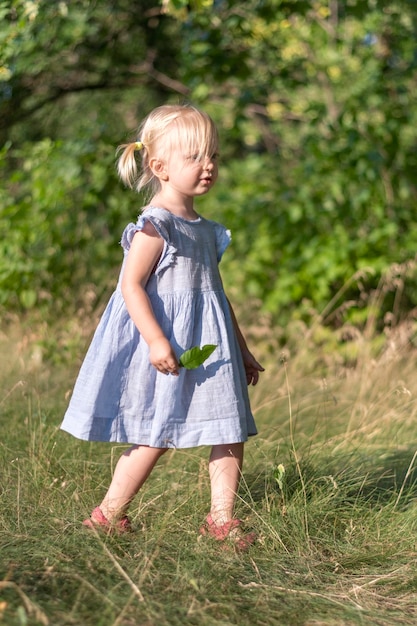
<point>166,129</point>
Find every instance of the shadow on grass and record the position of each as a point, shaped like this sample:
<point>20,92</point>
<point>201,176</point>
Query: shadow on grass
<point>377,479</point>
<point>390,474</point>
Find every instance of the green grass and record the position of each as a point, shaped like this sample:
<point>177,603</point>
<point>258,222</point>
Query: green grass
<point>337,522</point>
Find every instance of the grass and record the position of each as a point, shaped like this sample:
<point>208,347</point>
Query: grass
<point>330,485</point>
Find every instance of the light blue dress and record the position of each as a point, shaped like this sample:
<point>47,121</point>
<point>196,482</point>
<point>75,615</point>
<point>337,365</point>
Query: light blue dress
<point>119,396</point>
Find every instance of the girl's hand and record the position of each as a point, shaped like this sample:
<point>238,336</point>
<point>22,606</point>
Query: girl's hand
<point>252,367</point>
<point>162,356</point>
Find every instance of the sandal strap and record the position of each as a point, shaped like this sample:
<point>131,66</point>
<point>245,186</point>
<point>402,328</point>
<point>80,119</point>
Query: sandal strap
<point>98,519</point>
<point>220,531</point>
<point>241,540</point>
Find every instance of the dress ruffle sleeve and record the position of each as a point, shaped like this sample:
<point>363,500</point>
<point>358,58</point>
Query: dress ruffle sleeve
<point>223,239</point>
<point>169,252</point>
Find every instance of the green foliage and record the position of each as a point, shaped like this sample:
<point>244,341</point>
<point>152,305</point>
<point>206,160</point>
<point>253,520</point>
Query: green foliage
<point>49,50</point>
<point>62,209</point>
<point>329,115</point>
<point>317,111</point>
<point>67,205</point>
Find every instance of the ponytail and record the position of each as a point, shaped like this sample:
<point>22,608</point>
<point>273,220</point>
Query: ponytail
<point>127,166</point>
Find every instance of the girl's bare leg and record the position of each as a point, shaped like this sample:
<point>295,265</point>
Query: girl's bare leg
<point>131,471</point>
<point>225,468</point>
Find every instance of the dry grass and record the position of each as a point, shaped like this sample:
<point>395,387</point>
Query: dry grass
<point>330,484</point>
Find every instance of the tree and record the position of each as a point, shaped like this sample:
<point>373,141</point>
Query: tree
<point>317,110</point>
<point>321,98</point>
<point>73,75</point>
<point>50,50</point>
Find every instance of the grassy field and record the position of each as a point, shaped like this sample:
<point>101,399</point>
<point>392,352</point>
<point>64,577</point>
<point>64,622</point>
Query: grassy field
<point>330,485</point>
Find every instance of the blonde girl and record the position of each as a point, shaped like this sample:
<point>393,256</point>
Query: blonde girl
<point>169,298</point>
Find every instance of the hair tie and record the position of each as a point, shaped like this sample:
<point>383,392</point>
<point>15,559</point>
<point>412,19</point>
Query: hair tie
<point>139,145</point>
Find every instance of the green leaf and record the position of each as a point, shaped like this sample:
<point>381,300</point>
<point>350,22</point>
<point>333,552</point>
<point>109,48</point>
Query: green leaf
<point>279,475</point>
<point>194,357</point>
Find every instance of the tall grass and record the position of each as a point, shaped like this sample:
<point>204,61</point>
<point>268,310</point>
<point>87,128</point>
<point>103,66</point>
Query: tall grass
<point>330,485</point>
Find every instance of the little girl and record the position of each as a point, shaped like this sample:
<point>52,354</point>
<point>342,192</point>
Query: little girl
<point>169,298</point>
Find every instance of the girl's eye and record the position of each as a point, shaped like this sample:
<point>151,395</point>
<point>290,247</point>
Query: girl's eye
<point>194,157</point>
<point>199,157</point>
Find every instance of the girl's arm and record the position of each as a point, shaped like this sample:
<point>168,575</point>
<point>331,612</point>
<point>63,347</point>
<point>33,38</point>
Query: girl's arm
<point>252,367</point>
<point>144,253</point>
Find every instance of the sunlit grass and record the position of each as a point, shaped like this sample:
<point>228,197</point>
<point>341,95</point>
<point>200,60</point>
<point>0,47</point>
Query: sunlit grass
<point>329,485</point>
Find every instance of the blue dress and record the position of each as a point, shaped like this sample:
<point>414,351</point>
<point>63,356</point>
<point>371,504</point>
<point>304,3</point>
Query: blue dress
<point>119,396</point>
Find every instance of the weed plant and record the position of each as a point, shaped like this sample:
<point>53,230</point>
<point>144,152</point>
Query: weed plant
<point>330,485</point>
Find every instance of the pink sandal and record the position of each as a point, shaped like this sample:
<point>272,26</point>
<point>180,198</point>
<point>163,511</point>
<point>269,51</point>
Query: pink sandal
<point>229,530</point>
<point>100,522</point>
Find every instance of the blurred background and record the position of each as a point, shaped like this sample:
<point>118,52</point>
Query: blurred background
<point>316,103</point>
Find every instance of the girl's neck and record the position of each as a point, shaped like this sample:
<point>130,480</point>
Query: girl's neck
<point>180,208</point>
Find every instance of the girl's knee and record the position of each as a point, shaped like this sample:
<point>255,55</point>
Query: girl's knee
<point>227,450</point>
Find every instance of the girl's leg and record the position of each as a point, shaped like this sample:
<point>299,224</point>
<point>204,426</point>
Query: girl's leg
<point>225,468</point>
<point>131,471</point>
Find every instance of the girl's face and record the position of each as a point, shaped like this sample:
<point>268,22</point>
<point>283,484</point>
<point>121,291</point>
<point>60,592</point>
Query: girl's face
<point>191,174</point>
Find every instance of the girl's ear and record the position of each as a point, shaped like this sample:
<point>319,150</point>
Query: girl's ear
<point>158,168</point>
